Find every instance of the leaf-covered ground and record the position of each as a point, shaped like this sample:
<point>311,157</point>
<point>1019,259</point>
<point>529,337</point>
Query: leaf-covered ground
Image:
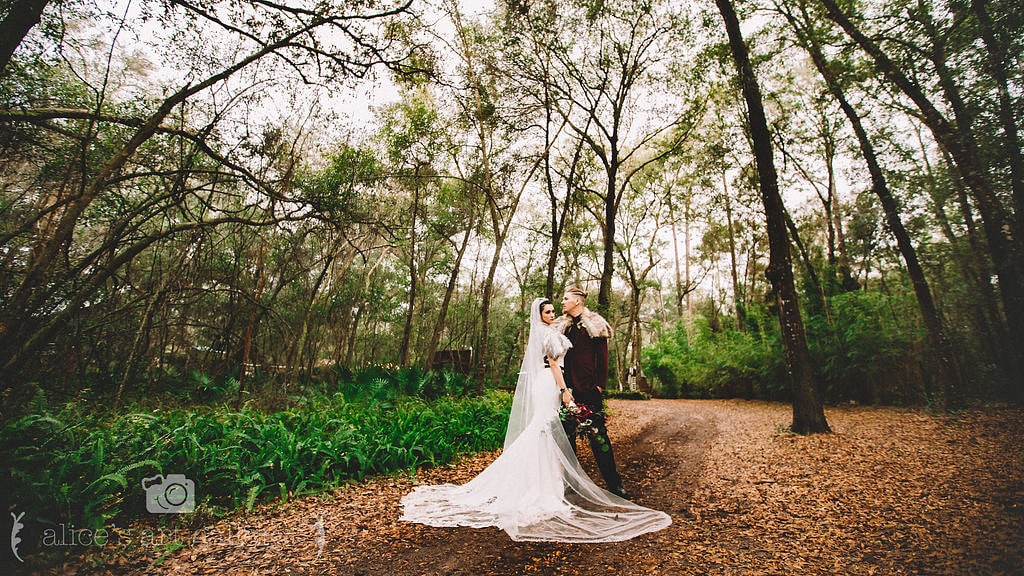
<point>891,491</point>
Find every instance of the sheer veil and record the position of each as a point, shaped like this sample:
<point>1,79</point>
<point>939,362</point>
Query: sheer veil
<point>524,408</point>
<point>535,490</point>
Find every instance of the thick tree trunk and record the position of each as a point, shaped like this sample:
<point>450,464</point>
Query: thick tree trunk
<point>21,17</point>
<point>808,415</point>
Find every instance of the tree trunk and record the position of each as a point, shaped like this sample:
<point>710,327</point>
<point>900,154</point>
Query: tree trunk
<point>987,320</point>
<point>1007,115</point>
<point>360,308</point>
<point>556,231</point>
<point>250,326</point>
<point>499,224</point>
<point>631,353</point>
<point>295,355</point>
<point>838,259</point>
<point>808,415</point>
<point>442,314</point>
<point>483,366</point>
<point>737,292</point>
<point>686,265</point>
<point>820,299</point>
<point>604,296</point>
<point>21,17</point>
<point>675,261</point>
<point>558,218</point>
<point>409,315</point>
<point>144,327</point>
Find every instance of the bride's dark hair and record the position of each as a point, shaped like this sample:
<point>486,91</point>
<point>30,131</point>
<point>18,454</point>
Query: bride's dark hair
<point>542,304</point>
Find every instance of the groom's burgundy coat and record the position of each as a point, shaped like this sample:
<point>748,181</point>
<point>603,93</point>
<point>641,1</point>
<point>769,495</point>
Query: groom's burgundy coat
<point>586,364</point>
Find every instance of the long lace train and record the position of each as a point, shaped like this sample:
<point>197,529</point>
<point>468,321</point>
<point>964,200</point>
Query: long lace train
<point>533,493</point>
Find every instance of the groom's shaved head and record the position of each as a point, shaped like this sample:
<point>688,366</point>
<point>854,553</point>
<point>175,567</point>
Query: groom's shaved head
<point>577,291</point>
<point>573,299</point>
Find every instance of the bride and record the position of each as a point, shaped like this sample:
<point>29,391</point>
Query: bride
<point>535,490</point>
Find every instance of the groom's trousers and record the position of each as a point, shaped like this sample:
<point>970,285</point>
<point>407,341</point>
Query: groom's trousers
<point>599,442</point>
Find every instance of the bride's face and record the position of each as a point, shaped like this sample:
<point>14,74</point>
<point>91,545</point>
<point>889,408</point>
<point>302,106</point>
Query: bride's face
<point>547,313</point>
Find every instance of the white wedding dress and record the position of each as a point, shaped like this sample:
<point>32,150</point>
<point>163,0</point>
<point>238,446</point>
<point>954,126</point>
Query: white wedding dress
<point>535,490</point>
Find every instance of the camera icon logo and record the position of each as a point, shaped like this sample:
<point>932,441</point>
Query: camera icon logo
<point>174,494</point>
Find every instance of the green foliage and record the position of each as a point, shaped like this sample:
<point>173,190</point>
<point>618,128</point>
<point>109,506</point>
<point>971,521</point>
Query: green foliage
<point>870,351</point>
<point>708,364</point>
<point>867,349</point>
<point>335,190</point>
<point>386,383</point>
<point>65,465</point>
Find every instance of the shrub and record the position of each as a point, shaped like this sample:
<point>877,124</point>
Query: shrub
<point>700,363</point>
<point>867,349</point>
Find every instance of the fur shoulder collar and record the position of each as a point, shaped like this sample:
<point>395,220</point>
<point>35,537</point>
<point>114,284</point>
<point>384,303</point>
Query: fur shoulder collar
<point>593,323</point>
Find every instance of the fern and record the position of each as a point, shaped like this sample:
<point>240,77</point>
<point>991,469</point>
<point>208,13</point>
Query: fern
<point>90,472</point>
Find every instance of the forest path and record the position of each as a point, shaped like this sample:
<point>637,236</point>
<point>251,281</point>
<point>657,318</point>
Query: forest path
<point>892,491</point>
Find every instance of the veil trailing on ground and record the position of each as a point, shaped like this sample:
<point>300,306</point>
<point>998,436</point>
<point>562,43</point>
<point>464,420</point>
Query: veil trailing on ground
<point>535,490</point>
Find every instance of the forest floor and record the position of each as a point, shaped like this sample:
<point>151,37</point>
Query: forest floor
<point>891,491</point>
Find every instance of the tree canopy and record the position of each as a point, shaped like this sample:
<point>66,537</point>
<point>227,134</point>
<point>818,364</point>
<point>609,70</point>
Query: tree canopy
<point>255,191</point>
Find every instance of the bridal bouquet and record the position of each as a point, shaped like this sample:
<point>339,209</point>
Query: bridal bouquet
<point>583,417</point>
<point>574,411</point>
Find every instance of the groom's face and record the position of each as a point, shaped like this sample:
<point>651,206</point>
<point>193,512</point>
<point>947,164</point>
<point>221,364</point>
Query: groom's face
<point>571,304</point>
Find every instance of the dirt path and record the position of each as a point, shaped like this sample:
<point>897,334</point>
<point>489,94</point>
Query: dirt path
<point>890,492</point>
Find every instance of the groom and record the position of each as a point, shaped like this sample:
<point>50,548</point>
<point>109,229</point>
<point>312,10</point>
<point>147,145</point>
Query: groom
<point>586,373</point>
